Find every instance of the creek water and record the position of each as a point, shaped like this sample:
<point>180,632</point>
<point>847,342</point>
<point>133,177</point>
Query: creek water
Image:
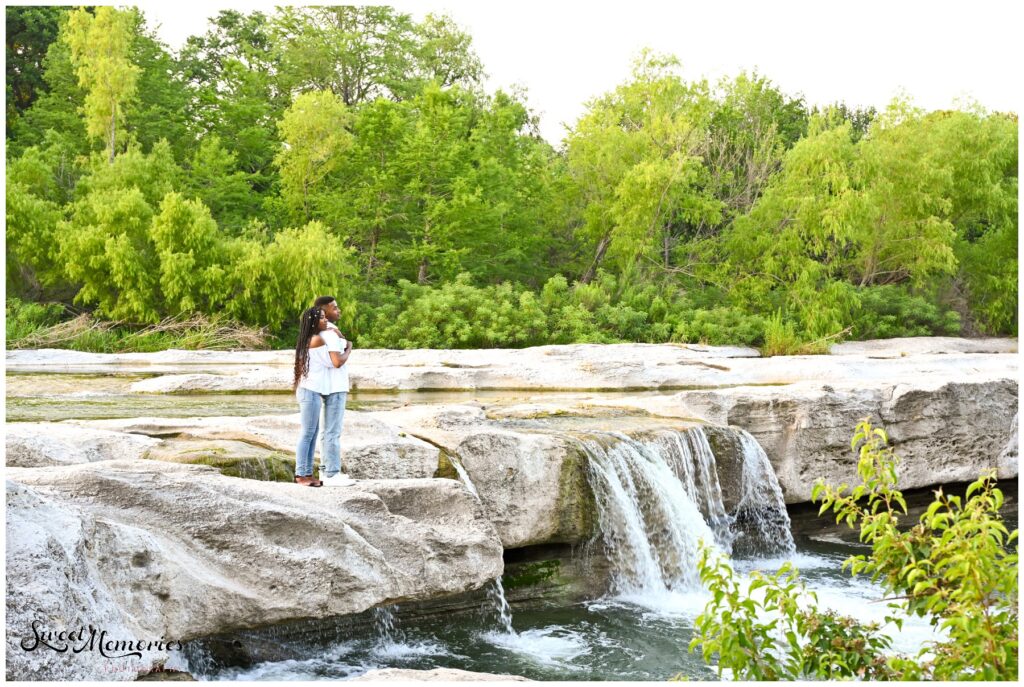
<point>614,637</point>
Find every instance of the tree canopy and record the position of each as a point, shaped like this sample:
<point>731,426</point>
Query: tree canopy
<point>355,150</point>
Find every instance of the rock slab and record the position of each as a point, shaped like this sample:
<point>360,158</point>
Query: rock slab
<point>158,549</point>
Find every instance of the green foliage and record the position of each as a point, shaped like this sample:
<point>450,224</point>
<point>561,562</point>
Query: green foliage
<point>721,326</point>
<point>677,210</point>
<point>957,567</point>
<point>891,311</point>
<point>100,48</point>
<point>314,130</point>
<point>30,31</point>
<point>459,315</point>
<point>26,318</point>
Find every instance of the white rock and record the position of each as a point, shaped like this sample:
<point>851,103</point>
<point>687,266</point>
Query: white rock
<point>181,551</point>
<point>54,585</point>
<point>35,444</point>
<point>370,448</point>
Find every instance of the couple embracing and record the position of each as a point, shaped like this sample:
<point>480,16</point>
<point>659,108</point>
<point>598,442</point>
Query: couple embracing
<point>321,381</point>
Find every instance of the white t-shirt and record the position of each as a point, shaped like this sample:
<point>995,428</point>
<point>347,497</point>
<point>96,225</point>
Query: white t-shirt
<point>338,375</point>
<point>317,377</point>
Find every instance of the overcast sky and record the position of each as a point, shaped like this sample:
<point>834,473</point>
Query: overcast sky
<point>861,52</point>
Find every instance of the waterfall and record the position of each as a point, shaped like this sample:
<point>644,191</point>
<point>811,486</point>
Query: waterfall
<point>464,476</point>
<point>497,596</point>
<point>761,512</point>
<point>497,592</point>
<point>384,622</point>
<point>660,494</point>
<point>650,524</point>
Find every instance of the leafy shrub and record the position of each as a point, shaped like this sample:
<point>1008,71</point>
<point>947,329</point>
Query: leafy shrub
<point>957,567</point>
<point>722,326</point>
<point>890,311</point>
<point>25,318</point>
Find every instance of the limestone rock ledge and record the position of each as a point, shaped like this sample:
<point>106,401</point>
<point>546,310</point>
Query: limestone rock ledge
<point>944,430</point>
<point>155,550</point>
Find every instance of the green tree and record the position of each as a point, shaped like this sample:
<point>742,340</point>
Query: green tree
<point>444,54</point>
<point>315,132</point>
<point>56,107</point>
<point>356,52</point>
<point>30,31</point>
<point>230,72</point>
<point>161,98</point>
<point>106,248</point>
<point>635,161</point>
<point>100,50</point>
<point>191,256</point>
<point>214,178</point>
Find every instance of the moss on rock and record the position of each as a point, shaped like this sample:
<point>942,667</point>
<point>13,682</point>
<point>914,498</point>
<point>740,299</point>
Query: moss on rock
<point>445,469</point>
<point>276,467</point>
<point>577,509</point>
<point>522,575</point>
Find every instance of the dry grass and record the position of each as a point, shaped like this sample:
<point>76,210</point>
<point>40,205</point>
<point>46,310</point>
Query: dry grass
<point>192,332</point>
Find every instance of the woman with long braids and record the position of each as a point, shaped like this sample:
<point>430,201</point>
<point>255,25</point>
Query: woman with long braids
<point>310,383</point>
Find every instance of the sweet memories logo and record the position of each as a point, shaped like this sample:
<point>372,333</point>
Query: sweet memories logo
<point>89,638</point>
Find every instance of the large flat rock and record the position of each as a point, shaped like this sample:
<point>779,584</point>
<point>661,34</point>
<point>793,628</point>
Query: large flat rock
<point>180,551</point>
<point>371,448</point>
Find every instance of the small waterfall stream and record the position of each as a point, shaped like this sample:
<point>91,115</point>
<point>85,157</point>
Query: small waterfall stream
<point>497,592</point>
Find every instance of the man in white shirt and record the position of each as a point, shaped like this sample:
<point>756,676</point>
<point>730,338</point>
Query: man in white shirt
<point>334,402</point>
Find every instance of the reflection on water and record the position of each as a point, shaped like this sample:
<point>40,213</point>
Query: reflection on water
<point>46,397</point>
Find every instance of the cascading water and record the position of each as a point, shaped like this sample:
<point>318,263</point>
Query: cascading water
<point>651,526</point>
<point>497,592</point>
<point>384,622</point>
<point>464,476</point>
<point>659,496</point>
<point>761,512</point>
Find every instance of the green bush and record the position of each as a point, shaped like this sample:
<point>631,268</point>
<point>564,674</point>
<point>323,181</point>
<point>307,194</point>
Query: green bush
<point>722,326</point>
<point>957,567</point>
<point>25,318</point>
<point>890,311</point>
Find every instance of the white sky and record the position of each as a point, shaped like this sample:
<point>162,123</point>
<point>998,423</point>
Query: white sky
<point>862,52</point>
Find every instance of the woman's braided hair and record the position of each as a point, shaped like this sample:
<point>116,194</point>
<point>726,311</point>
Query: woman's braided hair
<point>308,328</point>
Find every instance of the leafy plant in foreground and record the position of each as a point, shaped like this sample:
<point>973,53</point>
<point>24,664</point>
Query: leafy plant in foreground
<point>957,567</point>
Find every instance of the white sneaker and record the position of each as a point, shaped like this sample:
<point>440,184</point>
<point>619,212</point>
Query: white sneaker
<point>339,480</point>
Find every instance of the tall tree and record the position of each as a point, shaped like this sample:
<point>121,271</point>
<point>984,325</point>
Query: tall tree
<point>315,132</point>
<point>356,52</point>
<point>156,112</point>
<point>30,31</point>
<point>100,50</point>
<point>231,71</point>
<point>635,160</point>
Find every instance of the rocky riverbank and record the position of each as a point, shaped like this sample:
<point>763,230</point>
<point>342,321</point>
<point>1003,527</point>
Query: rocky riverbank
<point>175,527</point>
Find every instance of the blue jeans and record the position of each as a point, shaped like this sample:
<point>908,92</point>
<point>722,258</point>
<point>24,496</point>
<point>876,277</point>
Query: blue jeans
<point>309,412</point>
<point>330,450</point>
